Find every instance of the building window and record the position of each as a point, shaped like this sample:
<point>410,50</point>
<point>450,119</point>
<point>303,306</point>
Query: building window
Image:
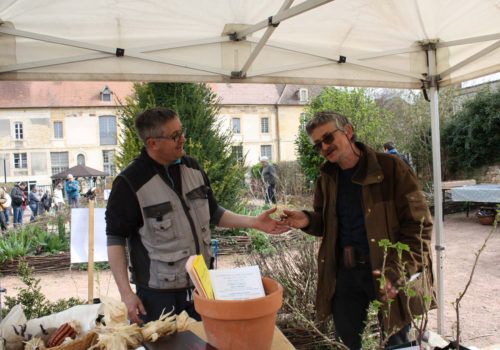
<point>303,95</point>
<point>236,125</point>
<point>18,131</point>
<point>58,130</point>
<point>265,150</point>
<point>80,159</point>
<point>106,94</point>
<point>264,125</point>
<point>107,130</point>
<point>20,161</point>
<point>108,162</point>
<point>238,153</point>
<point>58,162</point>
<point>302,121</point>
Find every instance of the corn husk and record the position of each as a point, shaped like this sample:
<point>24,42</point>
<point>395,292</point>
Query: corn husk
<point>155,329</point>
<point>115,312</point>
<point>183,321</point>
<point>34,344</point>
<point>118,337</point>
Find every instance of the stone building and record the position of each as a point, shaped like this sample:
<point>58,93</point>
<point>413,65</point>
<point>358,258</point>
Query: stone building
<point>47,127</point>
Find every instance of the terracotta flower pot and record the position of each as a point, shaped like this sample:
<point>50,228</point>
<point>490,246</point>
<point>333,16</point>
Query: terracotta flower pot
<point>486,220</point>
<point>241,324</point>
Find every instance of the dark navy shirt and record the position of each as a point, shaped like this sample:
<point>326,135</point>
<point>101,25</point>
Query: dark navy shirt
<point>352,231</point>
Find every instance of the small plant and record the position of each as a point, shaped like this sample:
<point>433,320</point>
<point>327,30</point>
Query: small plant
<point>17,243</point>
<point>261,244</point>
<point>34,303</point>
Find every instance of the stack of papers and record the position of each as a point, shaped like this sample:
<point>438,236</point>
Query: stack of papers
<point>198,272</point>
<point>239,283</point>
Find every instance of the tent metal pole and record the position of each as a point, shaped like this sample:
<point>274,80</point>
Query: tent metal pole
<point>438,194</point>
<point>260,45</point>
<point>291,12</point>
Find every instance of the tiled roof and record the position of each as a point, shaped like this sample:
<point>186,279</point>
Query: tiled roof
<point>30,94</point>
<point>290,94</point>
<point>40,94</point>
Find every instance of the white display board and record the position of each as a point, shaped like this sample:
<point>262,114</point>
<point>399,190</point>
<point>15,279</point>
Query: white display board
<point>80,235</point>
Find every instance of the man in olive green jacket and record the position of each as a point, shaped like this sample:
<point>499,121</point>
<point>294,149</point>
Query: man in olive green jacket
<point>362,197</point>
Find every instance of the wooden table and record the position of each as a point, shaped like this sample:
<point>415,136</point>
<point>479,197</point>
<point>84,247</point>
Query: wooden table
<point>280,342</point>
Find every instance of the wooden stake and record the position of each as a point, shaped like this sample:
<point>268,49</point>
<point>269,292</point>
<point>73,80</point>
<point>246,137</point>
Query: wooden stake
<point>90,268</point>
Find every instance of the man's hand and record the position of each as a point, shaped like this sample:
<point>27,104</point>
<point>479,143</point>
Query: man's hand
<point>134,306</point>
<point>265,223</point>
<point>389,292</point>
<point>294,218</point>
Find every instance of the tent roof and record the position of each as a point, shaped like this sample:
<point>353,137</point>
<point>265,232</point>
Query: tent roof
<point>377,43</point>
<point>79,171</point>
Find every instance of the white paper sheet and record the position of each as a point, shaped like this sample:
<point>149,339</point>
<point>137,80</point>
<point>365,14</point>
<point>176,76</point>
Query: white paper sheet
<point>80,235</point>
<point>240,283</point>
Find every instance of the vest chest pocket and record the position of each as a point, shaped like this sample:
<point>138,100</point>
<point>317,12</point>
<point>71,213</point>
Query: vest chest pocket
<point>160,226</point>
<point>198,200</point>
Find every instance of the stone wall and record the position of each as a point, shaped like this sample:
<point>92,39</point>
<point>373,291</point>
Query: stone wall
<point>488,174</point>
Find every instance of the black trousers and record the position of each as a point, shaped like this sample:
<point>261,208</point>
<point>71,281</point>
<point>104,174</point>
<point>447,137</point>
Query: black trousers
<point>353,293</point>
<point>155,301</point>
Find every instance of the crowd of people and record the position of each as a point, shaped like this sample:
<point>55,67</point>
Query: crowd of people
<point>37,200</point>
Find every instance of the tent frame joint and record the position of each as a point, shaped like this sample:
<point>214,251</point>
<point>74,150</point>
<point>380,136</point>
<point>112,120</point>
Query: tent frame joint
<point>439,247</point>
<point>119,52</point>
<point>433,81</point>
<point>342,59</point>
<point>234,37</point>
<point>270,22</point>
<point>429,47</point>
<point>238,75</point>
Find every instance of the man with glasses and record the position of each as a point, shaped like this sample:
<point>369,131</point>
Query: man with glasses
<point>361,198</point>
<point>161,206</point>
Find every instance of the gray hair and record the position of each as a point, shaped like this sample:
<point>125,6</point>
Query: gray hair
<point>150,122</point>
<point>324,117</point>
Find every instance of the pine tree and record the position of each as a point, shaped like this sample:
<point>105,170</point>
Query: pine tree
<point>197,108</point>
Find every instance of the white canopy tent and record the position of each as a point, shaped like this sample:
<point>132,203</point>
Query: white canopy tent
<point>372,43</point>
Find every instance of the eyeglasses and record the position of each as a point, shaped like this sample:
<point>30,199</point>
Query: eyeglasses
<point>176,137</point>
<point>327,140</point>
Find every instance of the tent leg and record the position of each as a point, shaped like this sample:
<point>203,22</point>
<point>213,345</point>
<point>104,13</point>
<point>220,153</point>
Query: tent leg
<point>438,194</point>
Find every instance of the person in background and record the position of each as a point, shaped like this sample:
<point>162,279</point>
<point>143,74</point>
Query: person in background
<point>73,191</point>
<point>161,207</point>
<point>34,202</point>
<point>46,201</point>
<point>19,200</point>
<point>361,198</point>
<point>390,147</point>
<point>3,206</point>
<point>269,179</point>
<point>58,197</point>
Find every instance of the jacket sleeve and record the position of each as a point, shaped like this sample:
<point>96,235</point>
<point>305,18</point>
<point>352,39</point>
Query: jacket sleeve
<point>415,229</point>
<point>315,227</point>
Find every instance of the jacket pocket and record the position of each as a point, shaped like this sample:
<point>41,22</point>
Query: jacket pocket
<point>170,270</point>
<point>159,223</point>
<point>418,206</point>
<point>198,201</point>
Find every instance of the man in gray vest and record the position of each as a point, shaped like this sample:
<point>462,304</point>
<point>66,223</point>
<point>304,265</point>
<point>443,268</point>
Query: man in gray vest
<point>161,206</point>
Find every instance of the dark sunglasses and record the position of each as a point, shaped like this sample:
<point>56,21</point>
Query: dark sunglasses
<point>327,140</point>
<point>176,137</point>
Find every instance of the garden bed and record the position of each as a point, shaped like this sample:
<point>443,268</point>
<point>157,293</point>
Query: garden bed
<point>243,244</point>
<point>40,263</point>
